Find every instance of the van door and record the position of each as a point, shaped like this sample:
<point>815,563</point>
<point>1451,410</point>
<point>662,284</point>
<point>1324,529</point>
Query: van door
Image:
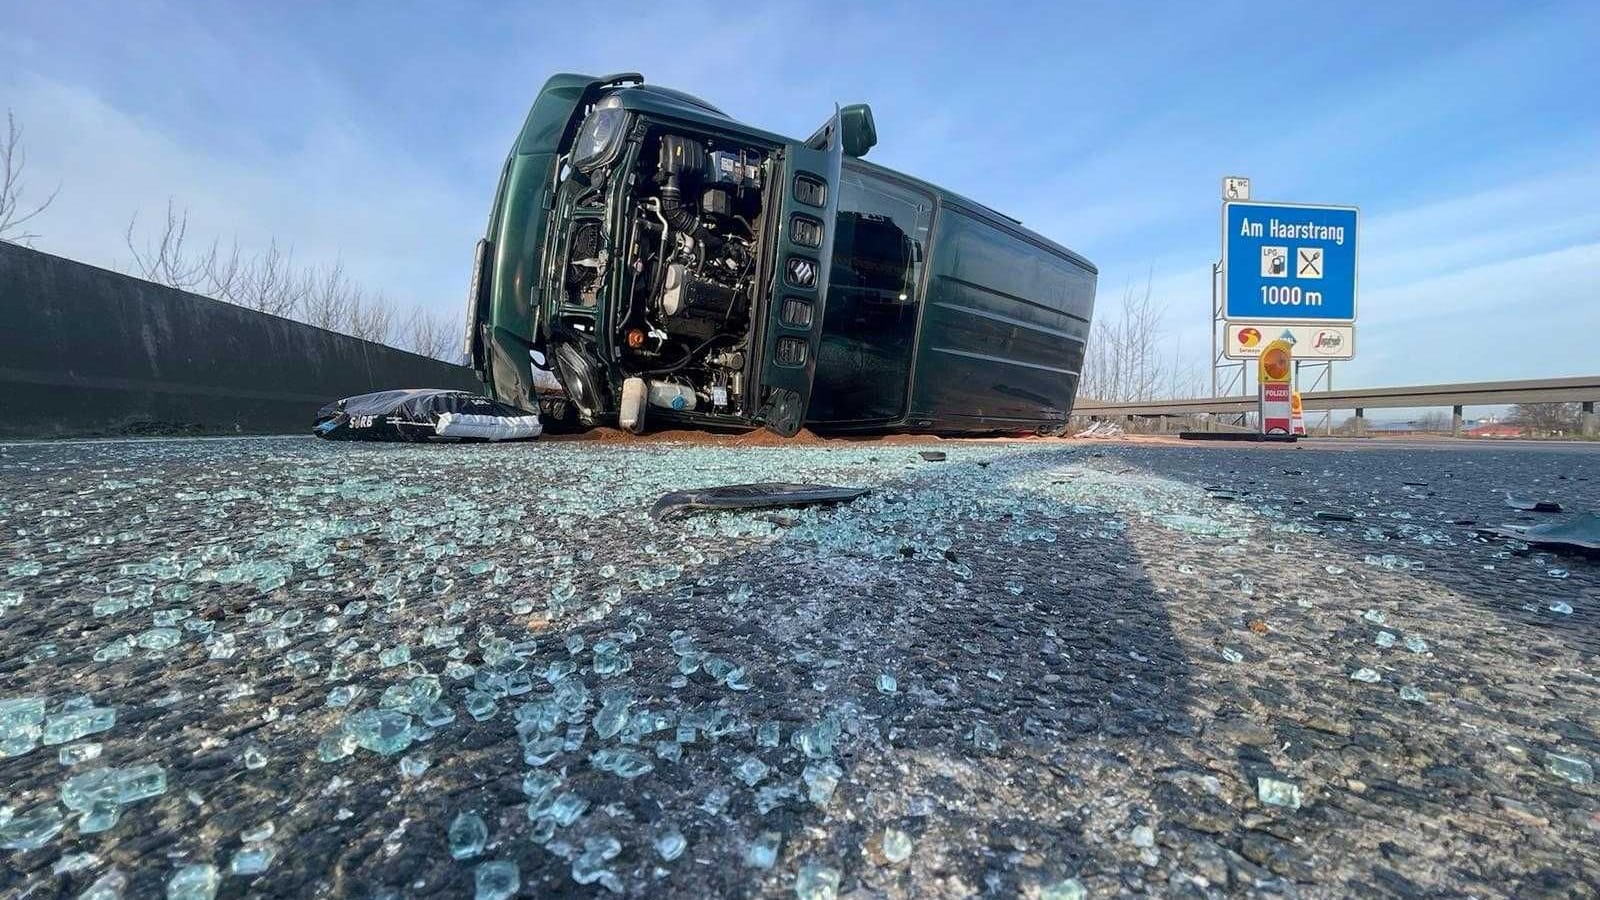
<point>807,190</point>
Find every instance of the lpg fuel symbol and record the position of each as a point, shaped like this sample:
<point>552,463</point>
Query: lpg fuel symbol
<point>1274,262</point>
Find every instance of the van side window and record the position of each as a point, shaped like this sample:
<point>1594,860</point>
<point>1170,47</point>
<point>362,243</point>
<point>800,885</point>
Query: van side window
<point>870,324</point>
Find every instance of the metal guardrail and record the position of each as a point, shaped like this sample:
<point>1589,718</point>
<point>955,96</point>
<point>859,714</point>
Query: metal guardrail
<point>1582,389</point>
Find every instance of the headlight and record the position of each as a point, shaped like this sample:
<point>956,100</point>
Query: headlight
<point>598,139</point>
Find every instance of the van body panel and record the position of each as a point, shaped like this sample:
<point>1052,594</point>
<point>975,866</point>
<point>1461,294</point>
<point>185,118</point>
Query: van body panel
<point>1005,323</point>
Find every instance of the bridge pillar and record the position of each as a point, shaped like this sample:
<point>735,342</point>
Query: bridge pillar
<point>1455,421</point>
<point>1587,421</point>
<point>1361,421</point>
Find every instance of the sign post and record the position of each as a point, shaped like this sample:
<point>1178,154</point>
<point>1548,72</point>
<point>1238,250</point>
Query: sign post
<point>1273,375</point>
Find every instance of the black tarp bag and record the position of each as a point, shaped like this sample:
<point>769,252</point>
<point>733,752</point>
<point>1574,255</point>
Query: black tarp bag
<point>424,415</point>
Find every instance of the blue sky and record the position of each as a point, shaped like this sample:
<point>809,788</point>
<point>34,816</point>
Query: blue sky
<point>1468,133</point>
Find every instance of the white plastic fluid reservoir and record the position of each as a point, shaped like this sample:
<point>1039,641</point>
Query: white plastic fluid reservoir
<point>667,395</point>
<point>630,413</point>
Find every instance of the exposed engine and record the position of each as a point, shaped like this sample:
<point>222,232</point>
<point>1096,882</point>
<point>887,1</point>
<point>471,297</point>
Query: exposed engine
<point>686,329</point>
<point>586,258</point>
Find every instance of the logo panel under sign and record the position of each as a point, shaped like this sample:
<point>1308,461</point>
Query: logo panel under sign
<point>1311,342</point>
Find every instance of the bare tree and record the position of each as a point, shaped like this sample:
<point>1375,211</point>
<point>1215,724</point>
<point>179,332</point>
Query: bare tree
<point>429,334</point>
<point>13,213</point>
<point>270,282</point>
<point>371,317</point>
<point>1546,418</point>
<point>1126,358</point>
<point>271,285</point>
<point>1433,422</point>
<point>169,259</point>
<point>225,272</point>
<point>328,299</point>
<point>1349,426</point>
<point>1182,380</point>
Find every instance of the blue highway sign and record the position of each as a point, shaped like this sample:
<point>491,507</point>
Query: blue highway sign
<point>1287,262</point>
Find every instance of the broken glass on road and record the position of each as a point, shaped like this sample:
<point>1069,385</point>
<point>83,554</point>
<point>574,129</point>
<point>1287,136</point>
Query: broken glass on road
<point>535,683</point>
<point>1582,531</point>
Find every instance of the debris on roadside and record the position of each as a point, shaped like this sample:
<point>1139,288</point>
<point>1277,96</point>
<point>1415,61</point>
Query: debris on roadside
<point>1273,792</point>
<point>1582,531</point>
<point>765,495</point>
<point>1103,430</point>
<point>467,835</point>
<point>1572,768</point>
<point>1532,505</point>
<point>424,415</point>
<point>1069,889</point>
<point>816,882</point>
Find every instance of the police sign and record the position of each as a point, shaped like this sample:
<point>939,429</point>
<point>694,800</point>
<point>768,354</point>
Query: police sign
<point>1288,262</point>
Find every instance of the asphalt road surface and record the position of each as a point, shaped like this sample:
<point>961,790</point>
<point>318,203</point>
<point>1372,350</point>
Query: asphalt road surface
<point>1041,669</point>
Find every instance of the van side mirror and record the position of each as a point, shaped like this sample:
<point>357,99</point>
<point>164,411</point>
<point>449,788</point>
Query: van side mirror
<point>859,133</point>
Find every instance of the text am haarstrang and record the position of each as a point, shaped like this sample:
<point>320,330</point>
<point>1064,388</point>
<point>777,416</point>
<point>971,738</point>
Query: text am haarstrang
<point>1303,231</point>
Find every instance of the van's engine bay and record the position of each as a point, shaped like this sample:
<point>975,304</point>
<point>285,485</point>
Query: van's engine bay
<point>682,325</point>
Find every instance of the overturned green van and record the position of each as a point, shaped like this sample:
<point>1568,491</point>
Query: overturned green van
<point>672,266</point>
